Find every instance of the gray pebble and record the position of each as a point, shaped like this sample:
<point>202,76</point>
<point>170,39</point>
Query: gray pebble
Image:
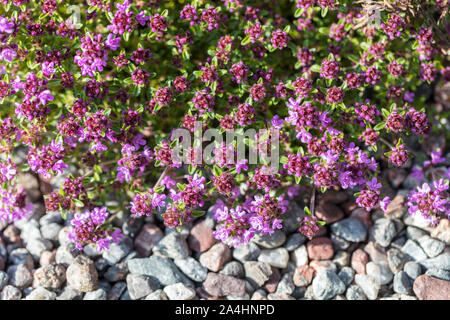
<point>246,252</point>
<point>355,293</point>
<point>349,229</point>
<point>346,275</point>
<point>294,241</point>
<point>413,269</point>
<point>173,246</point>
<point>99,294</point>
<point>383,231</point>
<point>192,268</point>
<point>432,247</point>
<point>402,283</point>
<point>327,285</point>
<point>233,269</point>
<point>118,251</point>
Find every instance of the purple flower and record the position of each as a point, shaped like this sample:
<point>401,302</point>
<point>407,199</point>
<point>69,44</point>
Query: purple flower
<point>112,42</point>
<point>8,54</point>
<point>6,26</point>
<point>384,203</point>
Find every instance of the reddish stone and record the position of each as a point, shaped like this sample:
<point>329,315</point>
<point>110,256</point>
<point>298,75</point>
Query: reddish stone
<point>220,285</point>
<point>320,249</point>
<point>318,265</point>
<point>322,232</point>
<point>12,235</point>
<point>272,284</point>
<point>2,264</point>
<point>201,237</point>
<point>362,215</point>
<point>334,196</point>
<point>47,257</point>
<point>376,252</point>
<point>329,212</point>
<point>348,206</point>
<point>216,257</point>
<point>303,276</point>
<point>147,238</point>
<point>359,261</point>
<point>429,288</point>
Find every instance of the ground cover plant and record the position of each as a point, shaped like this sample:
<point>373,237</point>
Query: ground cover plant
<point>92,91</point>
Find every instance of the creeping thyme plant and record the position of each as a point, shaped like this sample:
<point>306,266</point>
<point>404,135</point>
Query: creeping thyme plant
<point>91,91</point>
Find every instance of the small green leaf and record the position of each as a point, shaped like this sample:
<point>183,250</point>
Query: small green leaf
<point>198,213</point>
<point>78,203</point>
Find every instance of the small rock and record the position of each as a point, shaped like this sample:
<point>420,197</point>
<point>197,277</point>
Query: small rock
<point>51,276</point>
<point>173,246</point>
<point>201,237</point>
<point>429,288</point>
<point>116,272</point>
<point>363,216</point>
<point>117,251</point>
<point>359,260</point>
<point>341,259</point>
<point>413,269</point>
<point>21,256</point>
<point>303,276</point>
<point>10,293</point>
<point>270,241</point>
<point>276,257</point>
<point>380,272</point>
<point>329,212</point>
<point>300,256</point>
<point>232,269</point>
<point>440,274</point>
<point>414,233</point>
<point>82,275</point>
<point>402,283</point>
<point>69,293</point>
<point>246,252</point>
<point>397,207</point>
<point>346,275</point>
<point>20,276</point>
<point>327,285</point>
<point>147,238</point>
<point>334,196</point>
<point>63,236</point>
<point>41,294</point>
<point>355,293</point>
<point>220,285</point>
<point>383,231</point>
<point>376,252</point>
<point>140,286</point>
<point>318,265</point>
<point>4,278</point>
<point>216,257</point>
<point>66,254</point>
<point>192,268</point>
<point>47,257</point>
<point>442,231</point>
<point>160,268</point>
<point>179,291</point>
<point>396,260</point>
<point>36,246</point>
<point>432,247</point>
<point>157,295</point>
<point>294,241</point>
<point>99,294</point>
<point>339,243</point>
<point>271,285</point>
<point>51,231</point>
<point>442,262</point>
<point>350,229</point>
<point>412,249</point>
<point>91,251</point>
<point>286,285</point>
<point>117,290</point>
<point>320,249</point>
<point>258,272</point>
<point>368,285</point>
